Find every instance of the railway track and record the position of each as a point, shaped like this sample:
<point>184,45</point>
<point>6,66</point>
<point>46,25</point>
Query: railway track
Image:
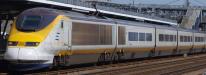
<point>163,66</point>
<point>159,68</point>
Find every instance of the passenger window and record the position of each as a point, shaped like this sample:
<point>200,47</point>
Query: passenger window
<point>202,39</point>
<point>199,39</point>
<point>175,38</point>
<point>196,39</point>
<point>167,37</point>
<point>149,37</point>
<point>141,36</point>
<point>161,37</point>
<point>171,38</point>
<point>136,36</point>
<point>131,36</point>
<point>188,38</point>
<point>181,38</point>
<point>185,38</point>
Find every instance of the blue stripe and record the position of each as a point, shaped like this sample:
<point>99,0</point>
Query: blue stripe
<point>28,67</point>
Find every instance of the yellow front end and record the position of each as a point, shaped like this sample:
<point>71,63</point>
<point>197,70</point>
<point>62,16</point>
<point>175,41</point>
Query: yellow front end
<point>19,40</point>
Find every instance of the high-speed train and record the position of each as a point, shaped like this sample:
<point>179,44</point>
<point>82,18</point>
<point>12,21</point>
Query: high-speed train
<point>43,37</point>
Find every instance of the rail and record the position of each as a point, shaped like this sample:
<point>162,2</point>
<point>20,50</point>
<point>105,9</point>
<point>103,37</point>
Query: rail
<point>172,65</point>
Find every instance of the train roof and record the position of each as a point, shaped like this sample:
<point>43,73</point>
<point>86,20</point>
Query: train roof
<point>85,17</point>
<point>88,17</point>
<point>81,16</point>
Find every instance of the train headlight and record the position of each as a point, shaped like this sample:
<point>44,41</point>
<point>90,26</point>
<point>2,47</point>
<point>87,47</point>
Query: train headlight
<point>12,43</point>
<point>31,43</point>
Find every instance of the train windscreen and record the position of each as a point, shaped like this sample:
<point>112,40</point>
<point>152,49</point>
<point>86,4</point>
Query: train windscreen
<point>31,22</point>
<point>35,19</point>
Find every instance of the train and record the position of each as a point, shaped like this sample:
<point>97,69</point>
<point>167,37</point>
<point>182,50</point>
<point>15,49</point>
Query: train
<point>44,37</point>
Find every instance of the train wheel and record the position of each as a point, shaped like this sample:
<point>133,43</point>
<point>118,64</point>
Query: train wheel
<point>151,53</point>
<point>101,59</point>
<point>56,62</point>
<point>115,58</point>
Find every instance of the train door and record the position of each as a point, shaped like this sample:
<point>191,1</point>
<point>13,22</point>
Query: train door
<point>63,59</point>
<point>66,33</point>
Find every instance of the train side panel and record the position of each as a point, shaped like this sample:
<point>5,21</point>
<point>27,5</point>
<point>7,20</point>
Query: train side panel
<point>90,40</point>
<point>166,41</point>
<point>185,41</point>
<point>140,41</point>
<point>199,41</point>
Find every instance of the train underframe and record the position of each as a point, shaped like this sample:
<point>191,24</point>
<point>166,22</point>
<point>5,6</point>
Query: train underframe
<point>118,56</point>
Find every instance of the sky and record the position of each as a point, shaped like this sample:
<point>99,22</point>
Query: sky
<point>168,2</point>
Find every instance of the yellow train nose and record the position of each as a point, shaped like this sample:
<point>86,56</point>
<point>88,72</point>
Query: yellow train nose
<point>25,39</point>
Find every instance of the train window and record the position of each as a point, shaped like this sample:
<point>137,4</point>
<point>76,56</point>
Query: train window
<point>167,38</point>
<point>196,39</point>
<point>181,38</point>
<point>201,39</point>
<point>185,38</point>
<point>148,36</point>
<point>121,35</point>
<point>141,36</point>
<point>136,36</point>
<point>132,36</point>
<point>188,38</point>
<point>161,37</point>
<point>175,38</point>
<point>91,34</point>
<point>191,38</point>
<point>171,38</point>
<point>31,22</point>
